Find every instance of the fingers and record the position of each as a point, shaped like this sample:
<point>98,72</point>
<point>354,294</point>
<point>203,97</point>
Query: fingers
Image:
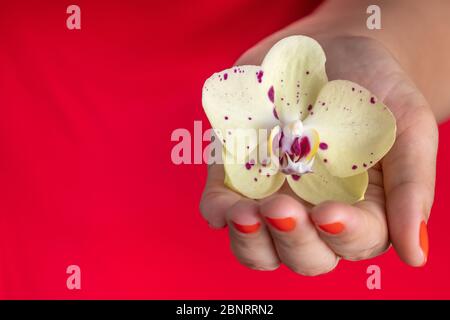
<point>409,175</point>
<point>216,198</point>
<point>295,238</point>
<point>278,230</point>
<point>352,232</point>
<point>355,232</point>
<point>250,240</point>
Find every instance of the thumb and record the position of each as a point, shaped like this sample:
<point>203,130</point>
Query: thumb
<point>409,172</point>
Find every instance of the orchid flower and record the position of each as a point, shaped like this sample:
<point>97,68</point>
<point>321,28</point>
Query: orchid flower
<point>323,135</point>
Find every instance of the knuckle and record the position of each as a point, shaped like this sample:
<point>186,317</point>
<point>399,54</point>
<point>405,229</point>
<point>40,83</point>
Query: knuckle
<point>294,243</point>
<point>358,256</point>
<point>368,252</point>
<point>258,266</point>
<point>250,255</point>
<point>257,263</point>
<point>313,271</point>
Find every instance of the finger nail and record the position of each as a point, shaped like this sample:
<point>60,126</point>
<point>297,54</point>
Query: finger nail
<point>282,224</point>
<point>333,228</point>
<point>423,240</point>
<point>251,228</point>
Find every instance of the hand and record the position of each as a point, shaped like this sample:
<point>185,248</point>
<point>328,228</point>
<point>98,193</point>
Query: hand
<point>398,199</point>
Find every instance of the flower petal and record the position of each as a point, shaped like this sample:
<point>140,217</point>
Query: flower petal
<point>355,130</point>
<point>295,67</point>
<point>251,179</point>
<point>321,186</point>
<point>236,100</point>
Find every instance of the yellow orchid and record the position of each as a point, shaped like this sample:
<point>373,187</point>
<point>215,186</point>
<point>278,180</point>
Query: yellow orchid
<point>324,136</point>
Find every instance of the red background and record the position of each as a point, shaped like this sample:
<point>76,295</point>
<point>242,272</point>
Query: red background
<point>86,176</point>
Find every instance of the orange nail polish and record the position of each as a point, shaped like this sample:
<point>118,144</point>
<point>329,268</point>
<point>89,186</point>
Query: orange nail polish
<point>423,240</point>
<point>252,228</point>
<point>282,224</point>
<point>333,228</point>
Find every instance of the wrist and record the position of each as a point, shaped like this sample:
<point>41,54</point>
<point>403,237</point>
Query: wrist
<point>325,24</point>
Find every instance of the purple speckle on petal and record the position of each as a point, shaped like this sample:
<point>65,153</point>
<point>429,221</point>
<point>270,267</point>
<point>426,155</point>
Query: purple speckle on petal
<point>372,100</point>
<point>364,165</point>
<point>323,146</point>
<point>256,179</point>
<point>295,177</point>
<point>325,160</point>
<point>354,167</point>
<point>271,94</point>
<point>259,75</point>
<point>307,72</point>
<point>353,89</point>
<point>275,114</point>
<point>323,103</point>
<point>225,76</point>
<point>310,107</point>
<point>226,117</point>
<point>249,118</point>
<point>248,166</point>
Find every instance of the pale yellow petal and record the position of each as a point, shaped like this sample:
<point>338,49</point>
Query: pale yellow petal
<point>295,67</point>
<point>237,106</point>
<point>321,186</point>
<point>355,129</point>
<point>251,179</point>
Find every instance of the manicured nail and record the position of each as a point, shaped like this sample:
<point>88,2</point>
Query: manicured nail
<point>251,228</point>
<point>333,228</point>
<point>423,239</point>
<point>282,224</point>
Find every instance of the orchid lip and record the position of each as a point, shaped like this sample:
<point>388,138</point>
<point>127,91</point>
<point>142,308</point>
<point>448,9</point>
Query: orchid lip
<point>294,147</point>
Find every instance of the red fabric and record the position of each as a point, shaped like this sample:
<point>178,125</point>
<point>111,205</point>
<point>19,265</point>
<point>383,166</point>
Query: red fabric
<point>86,176</point>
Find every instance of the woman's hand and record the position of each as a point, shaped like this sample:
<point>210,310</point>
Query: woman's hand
<point>398,199</point>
